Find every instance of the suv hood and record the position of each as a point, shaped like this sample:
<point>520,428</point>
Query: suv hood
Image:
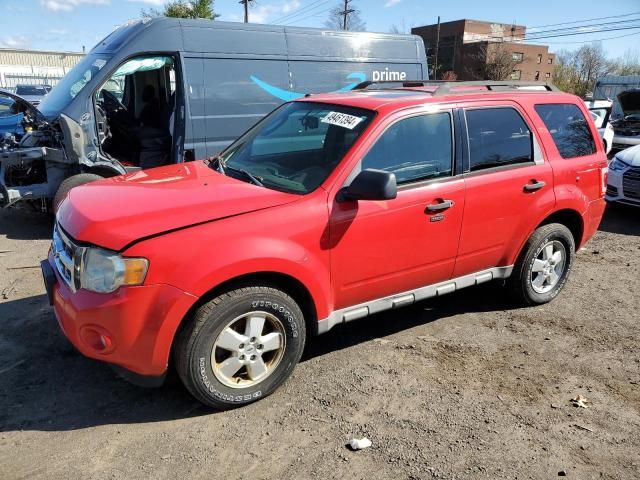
<point>630,156</point>
<point>114,212</point>
<point>630,103</point>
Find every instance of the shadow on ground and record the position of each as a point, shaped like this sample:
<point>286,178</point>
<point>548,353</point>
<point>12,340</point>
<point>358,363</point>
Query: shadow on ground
<point>621,219</point>
<point>25,224</point>
<point>46,385</point>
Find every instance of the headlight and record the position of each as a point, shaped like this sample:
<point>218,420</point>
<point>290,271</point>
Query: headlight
<point>103,271</point>
<point>617,165</point>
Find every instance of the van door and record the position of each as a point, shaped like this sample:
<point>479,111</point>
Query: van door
<point>195,142</point>
<point>237,93</point>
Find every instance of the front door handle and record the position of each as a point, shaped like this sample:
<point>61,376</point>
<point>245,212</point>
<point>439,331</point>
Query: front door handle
<point>534,186</point>
<point>437,207</point>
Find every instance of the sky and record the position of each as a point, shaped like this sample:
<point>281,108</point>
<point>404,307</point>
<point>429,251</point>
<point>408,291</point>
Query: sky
<point>69,25</point>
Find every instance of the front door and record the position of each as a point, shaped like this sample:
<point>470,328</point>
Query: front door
<point>380,248</point>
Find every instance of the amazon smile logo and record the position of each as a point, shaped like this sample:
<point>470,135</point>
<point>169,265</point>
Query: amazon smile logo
<point>288,95</point>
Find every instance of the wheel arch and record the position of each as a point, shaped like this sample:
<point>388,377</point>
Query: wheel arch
<point>282,281</point>
<point>569,218</point>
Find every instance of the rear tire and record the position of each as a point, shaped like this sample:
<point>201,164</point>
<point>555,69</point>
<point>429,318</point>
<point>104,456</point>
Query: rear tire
<point>240,347</point>
<point>544,265</point>
<point>68,183</point>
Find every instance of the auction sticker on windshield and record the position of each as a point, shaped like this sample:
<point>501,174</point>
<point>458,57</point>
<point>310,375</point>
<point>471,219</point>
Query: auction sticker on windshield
<point>342,120</point>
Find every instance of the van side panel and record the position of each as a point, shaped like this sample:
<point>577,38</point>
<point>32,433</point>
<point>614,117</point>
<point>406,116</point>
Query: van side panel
<point>343,76</point>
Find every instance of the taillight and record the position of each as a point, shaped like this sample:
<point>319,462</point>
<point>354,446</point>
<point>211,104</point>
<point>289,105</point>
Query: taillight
<point>604,177</point>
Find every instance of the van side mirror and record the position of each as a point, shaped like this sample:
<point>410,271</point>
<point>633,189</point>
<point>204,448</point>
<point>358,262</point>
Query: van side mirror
<point>370,184</point>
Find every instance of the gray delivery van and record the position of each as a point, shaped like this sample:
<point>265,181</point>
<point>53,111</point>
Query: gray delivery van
<point>165,90</point>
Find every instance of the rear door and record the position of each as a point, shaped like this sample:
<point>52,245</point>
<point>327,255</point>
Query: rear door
<point>509,185</point>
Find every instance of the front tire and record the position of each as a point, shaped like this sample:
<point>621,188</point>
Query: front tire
<point>544,265</point>
<point>68,183</point>
<point>241,346</point>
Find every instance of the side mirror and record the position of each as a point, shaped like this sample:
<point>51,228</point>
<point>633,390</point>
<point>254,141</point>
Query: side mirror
<point>370,184</point>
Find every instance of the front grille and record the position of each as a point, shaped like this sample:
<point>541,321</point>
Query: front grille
<point>612,191</point>
<point>631,183</point>
<point>66,256</point>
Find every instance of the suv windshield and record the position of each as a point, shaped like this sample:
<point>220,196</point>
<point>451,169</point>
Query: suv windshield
<point>72,83</point>
<point>296,147</point>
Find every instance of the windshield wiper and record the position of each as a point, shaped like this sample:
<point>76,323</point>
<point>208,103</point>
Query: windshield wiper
<point>255,180</point>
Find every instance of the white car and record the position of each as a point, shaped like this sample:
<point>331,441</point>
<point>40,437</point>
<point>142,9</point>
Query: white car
<point>623,185</point>
<point>600,112</point>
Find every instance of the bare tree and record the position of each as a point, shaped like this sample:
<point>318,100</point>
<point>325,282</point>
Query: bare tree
<point>577,71</point>
<point>336,20</point>
<point>490,61</point>
<point>628,64</point>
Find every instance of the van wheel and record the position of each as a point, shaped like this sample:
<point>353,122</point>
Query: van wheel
<point>68,183</point>
<point>544,266</point>
<point>240,346</point>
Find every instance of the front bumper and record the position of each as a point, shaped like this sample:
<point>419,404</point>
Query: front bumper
<point>620,142</point>
<point>623,190</point>
<point>132,328</point>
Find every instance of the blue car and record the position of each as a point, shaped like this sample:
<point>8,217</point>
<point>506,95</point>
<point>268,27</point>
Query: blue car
<point>11,116</point>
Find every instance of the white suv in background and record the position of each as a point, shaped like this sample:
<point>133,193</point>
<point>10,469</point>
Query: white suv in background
<point>623,185</point>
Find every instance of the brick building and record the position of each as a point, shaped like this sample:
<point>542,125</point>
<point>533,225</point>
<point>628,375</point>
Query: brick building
<point>466,44</point>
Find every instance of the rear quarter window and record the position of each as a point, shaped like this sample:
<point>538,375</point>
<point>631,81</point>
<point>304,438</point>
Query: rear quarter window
<point>568,128</point>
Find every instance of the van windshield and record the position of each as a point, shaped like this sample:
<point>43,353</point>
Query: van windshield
<point>72,84</point>
<point>296,147</point>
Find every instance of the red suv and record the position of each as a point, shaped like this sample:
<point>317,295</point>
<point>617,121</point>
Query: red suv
<point>330,209</point>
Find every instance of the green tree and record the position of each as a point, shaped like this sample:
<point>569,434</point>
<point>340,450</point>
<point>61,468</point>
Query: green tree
<point>184,9</point>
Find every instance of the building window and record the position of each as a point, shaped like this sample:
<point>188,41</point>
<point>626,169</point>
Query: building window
<point>517,56</point>
<point>539,58</point>
<point>549,60</point>
<point>547,75</point>
<point>516,74</point>
<point>537,77</point>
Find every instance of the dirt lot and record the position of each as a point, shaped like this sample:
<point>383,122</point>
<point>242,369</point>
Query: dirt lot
<point>461,387</point>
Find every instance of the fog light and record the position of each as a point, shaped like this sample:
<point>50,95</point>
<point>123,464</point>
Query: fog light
<point>96,339</point>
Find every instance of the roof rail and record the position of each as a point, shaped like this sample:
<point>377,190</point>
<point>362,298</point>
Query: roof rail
<point>445,87</point>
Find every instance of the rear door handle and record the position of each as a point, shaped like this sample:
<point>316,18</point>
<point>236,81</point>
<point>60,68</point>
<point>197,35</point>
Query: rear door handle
<point>437,207</point>
<point>532,187</point>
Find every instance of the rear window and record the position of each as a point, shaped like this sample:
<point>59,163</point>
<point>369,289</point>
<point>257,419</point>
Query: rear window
<point>569,129</point>
<point>497,137</point>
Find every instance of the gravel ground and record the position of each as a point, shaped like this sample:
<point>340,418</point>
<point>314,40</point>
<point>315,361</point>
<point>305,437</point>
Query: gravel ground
<point>461,387</point>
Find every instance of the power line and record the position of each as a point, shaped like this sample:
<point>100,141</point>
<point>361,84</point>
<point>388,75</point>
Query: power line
<point>581,33</point>
<point>595,39</point>
<point>315,14</point>
<point>579,27</point>
<point>300,11</point>
<point>585,20</point>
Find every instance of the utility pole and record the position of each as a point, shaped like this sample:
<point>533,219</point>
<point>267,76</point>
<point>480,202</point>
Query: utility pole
<point>435,63</point>
<point>246,9</point>
<point>345,13</point>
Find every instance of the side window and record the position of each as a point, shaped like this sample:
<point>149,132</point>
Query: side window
<point>416,148</point>
<point>569,129</point>
<point>497,137</point>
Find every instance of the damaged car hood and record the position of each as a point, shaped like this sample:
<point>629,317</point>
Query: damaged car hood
<point>630,103</point>
<point>114,212</point>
